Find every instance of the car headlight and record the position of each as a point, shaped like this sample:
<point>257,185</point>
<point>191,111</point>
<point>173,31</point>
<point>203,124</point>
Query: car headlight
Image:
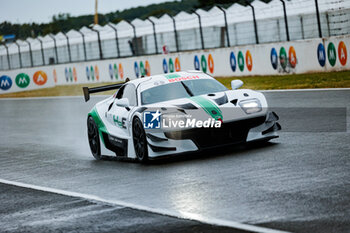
<point>251,106</point>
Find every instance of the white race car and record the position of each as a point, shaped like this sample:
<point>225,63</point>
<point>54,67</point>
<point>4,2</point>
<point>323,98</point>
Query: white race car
<point>176,113</point>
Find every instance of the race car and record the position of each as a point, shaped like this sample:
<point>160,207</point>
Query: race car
<point>176,113</point>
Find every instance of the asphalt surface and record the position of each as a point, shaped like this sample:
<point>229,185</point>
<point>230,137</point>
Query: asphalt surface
<point>38,211</point>
<point>300,182</point>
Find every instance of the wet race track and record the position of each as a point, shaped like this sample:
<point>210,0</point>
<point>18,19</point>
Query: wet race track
<point>298,182</point>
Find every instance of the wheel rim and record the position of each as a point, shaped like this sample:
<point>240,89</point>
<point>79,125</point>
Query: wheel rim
<point>93,137</point>
<point>139,140</point>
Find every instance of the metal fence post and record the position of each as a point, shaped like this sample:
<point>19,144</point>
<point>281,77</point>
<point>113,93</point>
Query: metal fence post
<point>84,47</point>
<point>42,50</point>
<point>175,32</point>
<point>135,39</point>
<point>226,27</point>
<point>154,34</point>
<point>68,47</point>
<point>318,19</point>
<point>8,56</point>
<point>200,28</point>
<point>254,20</point>
<point>285,19</point>
<point>302,26</point>
<point>19,54</point>
<point>30,53</point>
<point>99,42</point>
<point>116,38</point>
<point>55,45</point>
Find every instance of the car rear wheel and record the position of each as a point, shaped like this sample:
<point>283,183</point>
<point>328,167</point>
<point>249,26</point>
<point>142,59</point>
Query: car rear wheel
<point>140,141</point>
<point>94,138</point>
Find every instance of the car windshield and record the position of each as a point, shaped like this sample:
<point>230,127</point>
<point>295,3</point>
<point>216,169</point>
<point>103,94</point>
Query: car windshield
<point>181,89</point>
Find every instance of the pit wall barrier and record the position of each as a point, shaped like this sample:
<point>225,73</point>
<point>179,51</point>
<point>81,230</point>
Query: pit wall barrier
<point>303,56</point>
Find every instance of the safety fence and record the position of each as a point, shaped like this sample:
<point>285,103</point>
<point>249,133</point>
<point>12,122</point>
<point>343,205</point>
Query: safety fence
<point>278,58</point>
<point>256,23</point>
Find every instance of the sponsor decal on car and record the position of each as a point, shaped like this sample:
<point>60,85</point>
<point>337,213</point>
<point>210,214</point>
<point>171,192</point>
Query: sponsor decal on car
<point>178,78</point>
<point>119,122</point>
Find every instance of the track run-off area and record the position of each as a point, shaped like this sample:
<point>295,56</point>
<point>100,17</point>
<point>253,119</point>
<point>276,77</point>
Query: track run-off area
<point>299,182</point>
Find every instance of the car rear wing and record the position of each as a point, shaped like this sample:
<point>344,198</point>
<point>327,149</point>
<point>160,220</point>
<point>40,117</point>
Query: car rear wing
<point>87,91</point>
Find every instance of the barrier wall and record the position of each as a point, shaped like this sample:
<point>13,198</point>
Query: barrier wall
<point>315,55</point>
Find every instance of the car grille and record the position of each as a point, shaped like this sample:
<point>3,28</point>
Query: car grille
<point>229,133</point>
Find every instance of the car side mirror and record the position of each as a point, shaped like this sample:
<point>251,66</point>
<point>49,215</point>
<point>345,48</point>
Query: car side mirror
<point>123,102</point>
<point>235,84</point>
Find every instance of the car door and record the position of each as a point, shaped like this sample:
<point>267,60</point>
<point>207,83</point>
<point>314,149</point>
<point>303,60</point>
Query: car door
<point>118,115</point>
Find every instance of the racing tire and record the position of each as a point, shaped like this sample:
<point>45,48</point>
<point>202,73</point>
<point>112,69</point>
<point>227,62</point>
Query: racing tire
<point>94,138</point>
<point>140,141</point>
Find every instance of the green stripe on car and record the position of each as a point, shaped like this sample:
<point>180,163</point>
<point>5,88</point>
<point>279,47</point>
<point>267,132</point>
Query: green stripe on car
<point>100,125</point>
<point>208,106</point>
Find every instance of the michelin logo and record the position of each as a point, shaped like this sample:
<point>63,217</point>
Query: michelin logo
<point>151,120</point>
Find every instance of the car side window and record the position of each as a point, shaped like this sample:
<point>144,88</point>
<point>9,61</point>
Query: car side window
<point>129,92</point>
<point>120,92</point>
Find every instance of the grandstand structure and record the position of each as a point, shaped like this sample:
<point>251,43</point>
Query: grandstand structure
<point>200,29</point>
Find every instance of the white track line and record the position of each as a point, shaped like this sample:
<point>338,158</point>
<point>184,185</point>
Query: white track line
<point>182,215</point>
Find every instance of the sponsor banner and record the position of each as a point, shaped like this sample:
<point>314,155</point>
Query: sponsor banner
<point>314,55</point>
<point>337,52</point>
<point>26,79</point>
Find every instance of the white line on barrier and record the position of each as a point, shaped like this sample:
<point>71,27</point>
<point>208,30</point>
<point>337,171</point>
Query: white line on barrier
<point>182,215</point>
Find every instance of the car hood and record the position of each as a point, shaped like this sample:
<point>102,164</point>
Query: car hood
<point>222,106</point>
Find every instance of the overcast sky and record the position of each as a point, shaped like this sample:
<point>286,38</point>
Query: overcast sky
<point>41,11</point>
